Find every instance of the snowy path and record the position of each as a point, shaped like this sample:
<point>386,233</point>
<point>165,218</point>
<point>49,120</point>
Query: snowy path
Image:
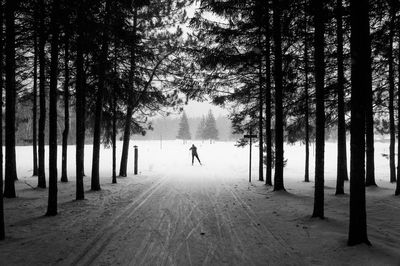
<point>186,220</point>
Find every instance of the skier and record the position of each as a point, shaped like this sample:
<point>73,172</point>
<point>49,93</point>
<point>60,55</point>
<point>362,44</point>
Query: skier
<point>194,154</point>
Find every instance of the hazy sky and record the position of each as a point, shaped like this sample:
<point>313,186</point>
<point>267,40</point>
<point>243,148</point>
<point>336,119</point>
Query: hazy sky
<point>196,109</point>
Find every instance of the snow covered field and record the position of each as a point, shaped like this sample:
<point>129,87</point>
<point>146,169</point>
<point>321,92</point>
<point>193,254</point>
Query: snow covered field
<point>177,214</point>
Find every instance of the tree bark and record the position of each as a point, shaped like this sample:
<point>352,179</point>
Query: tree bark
<point>129,112</point>
<point>360,66</point>
<point>319,62</point>
<point>278,76</point>
<point>260,115</point>
<point>34,102</point>
<point>2,229</point>
<point>397,192</point>
<point>391,97</point>
<point>306,98</point>
<point>52,201</point>
<point>80,102</point>
<point>369,123</point>
<point>10,166</point>
<point>341,145</point>
<point>268,133</point>
<point>95,181</point>
<point>64,157</point>
<point>42,96</point>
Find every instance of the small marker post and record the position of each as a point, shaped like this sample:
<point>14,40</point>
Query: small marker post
<point>250,137</point>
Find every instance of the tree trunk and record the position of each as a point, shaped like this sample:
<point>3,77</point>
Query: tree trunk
<point>52,202</point>
<point>42,96</point>
<point>319,61</point>
<point>268,133</point>
<point>129,112</point>
<point>369,123</point>
<point>2,229</point>
<point>64,157</point>
<point>341,145</point>
<point>360,67</point>
<point>95,181</point>
<point>278,76</point>
<point>114,139</point>
<point>80,103</point>
<point>306,96</point>
<point>10,171</point>
<point>391,97</point>
<point>397,192</point>
<point>260,116</point>
<point>34,103</point>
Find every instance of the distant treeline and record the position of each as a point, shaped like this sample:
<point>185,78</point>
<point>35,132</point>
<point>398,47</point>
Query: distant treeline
<point>167,128</point>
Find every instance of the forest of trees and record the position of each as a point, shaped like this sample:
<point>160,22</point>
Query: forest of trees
<point>287,70</point>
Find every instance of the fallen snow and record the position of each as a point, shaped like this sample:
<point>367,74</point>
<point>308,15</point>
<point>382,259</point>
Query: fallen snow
<point>177,214</point>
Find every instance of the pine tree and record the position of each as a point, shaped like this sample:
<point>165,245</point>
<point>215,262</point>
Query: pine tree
<point>184,131</point>
<point>319,44</point>
<point>210,129</point>
<point>200,128</point>
<point>360,66</point>
<point>2,230</point>
<point>10,163</point>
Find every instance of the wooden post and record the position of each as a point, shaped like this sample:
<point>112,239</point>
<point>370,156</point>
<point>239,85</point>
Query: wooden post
<point>135,171</point>
<point>250,136</point>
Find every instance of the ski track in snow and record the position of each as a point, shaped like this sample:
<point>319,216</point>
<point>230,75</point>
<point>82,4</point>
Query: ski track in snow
<point>196,220</point>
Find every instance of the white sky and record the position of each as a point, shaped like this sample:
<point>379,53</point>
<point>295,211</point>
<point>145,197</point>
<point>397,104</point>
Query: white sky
<point>197,109</point>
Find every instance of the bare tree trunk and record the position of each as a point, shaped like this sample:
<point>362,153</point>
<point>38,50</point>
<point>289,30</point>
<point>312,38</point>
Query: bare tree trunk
<point>306,97</point>
<point>34,103</point>
<point>260,115</point>
<point>341,145</point>
<point>397,192</point>
<point>80,103</point>
<point>52,201</point>
<point>319,59</point>
<point>42,99</point>
<point>360,67</point>
<point>64,157</point>
<point>129,112</point>
<point>391,97</point>
<point>268,133</point>
<point>2,229</point>
<point>95,181</point>
<point>369,132</point>
<point>10,166</point>
<point>278,76</point>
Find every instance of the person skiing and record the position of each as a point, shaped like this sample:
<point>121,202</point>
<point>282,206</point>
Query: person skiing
<point>194,154</point>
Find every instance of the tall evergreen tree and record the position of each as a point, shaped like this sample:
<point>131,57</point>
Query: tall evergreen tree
<point>306,96</point>
<point>34,98</point>
<point>392,129</point>
<point>184,130</point>
<point>210,129</point>
<point>360,66</point>
<point>55,31</point>
<point>2,229</point>
<point>65,134</point>
<point>95,181</point>
<point>341,145</point>
<point>80,99</point>
<point>319,45</point>
<point>278,76</point>
<point>10,164</point>
<point>200,128</point>
<point>268,98</point>
<point>42,93</point>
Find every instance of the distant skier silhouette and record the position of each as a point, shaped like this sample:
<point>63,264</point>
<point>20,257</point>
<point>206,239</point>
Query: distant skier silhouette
<point>194,154</point>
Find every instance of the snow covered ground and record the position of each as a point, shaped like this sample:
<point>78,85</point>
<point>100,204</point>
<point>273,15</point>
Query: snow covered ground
<point>174,213</point>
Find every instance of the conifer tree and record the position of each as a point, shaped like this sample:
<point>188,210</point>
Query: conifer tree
<point>200,128</point>
<point>210,129</point>
<point>184,130</point>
